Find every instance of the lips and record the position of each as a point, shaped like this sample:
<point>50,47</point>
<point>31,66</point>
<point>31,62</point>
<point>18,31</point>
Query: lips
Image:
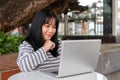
<point>48,36</point>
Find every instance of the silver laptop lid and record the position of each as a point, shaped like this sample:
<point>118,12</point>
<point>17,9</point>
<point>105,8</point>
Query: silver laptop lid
<point>79,56</point>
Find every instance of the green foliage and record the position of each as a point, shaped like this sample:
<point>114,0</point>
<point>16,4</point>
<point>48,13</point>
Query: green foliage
<point>60,37</point>
<point>9,43</point>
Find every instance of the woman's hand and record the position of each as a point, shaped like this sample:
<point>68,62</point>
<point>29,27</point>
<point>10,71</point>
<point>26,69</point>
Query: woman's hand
<point>48,45</point>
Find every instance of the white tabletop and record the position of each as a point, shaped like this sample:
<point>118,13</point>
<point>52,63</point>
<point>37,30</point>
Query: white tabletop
<point>37,75</point>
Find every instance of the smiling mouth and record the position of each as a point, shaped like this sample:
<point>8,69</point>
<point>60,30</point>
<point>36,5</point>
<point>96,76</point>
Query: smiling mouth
<point>49,36</point>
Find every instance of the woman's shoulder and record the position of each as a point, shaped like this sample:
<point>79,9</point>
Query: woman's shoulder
<point>25,44</point>
<point>25,47</point>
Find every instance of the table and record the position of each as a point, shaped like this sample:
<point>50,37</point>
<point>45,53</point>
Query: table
<point>38,75</point>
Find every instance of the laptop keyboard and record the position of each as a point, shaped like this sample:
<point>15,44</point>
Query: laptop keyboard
<point>55,72</point>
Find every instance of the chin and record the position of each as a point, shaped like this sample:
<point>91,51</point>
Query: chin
<point>47,38</point>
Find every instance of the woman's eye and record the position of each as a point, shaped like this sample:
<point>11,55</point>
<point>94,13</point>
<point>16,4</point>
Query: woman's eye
<point>46,25</point>
<point>54,26</point>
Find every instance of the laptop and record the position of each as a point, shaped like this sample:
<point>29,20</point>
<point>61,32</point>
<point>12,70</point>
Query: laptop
<point>78,57</point>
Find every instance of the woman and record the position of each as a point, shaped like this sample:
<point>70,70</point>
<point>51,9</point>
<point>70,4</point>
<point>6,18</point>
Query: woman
<point>40,49</point>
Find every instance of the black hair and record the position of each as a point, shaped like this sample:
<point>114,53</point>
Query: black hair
<point>35,37</point>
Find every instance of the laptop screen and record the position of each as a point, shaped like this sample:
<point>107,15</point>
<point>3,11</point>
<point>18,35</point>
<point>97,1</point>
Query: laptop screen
<point>79,56</point>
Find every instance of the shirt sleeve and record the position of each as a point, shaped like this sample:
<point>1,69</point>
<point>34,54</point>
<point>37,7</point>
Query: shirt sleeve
<point>59,46</point>
<point>28,59</point>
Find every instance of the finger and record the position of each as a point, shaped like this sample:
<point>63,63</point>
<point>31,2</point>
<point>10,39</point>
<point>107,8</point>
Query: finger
<point>53,46</point>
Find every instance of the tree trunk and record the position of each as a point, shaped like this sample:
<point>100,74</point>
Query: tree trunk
<point>14,13</point>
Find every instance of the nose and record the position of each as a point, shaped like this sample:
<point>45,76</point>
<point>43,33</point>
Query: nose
<point>50,29</point>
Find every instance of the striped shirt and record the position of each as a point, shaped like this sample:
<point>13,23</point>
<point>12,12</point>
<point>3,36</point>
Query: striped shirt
<point>29,60</point>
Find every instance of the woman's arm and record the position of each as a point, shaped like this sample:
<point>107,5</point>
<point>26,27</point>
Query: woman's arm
<point>59,46</point>
<point>28,59</point>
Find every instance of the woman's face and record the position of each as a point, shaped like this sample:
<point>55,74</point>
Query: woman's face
<point>49,29</point>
